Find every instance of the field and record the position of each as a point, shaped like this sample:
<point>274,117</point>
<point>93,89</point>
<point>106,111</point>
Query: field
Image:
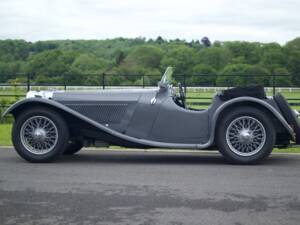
<point>5,134</point>
<point>205,93</point>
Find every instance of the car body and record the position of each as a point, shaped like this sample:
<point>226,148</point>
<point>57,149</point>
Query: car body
<point>148,118</point>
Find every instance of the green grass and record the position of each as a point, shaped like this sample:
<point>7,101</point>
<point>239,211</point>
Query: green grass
<point>287,150</point>
<point>5,134</point>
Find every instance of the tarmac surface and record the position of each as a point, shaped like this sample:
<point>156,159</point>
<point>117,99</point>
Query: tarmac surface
<point>117,187</point>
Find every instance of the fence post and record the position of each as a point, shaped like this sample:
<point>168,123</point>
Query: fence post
<point>65,83</point>
<point>143,80</point>
<point>184,84</point>
<point>103,80</point>
<point>28,82</point>
<point>214,83</point>
<point>274,83</point>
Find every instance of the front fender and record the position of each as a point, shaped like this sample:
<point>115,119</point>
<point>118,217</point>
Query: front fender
<point>17,107</point>
<point>257,101</point>
<point>40,101</point>
<point>28,102</point>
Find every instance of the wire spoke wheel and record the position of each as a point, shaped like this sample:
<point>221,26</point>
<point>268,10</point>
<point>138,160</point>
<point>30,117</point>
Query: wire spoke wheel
<point>39,135</point>
<point>245,136</point>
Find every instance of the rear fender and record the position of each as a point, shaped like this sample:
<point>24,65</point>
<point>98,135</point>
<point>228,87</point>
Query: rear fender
<point>261,103</point>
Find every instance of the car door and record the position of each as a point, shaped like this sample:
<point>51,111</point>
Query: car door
<point>144,115</point>
<point>175,124</point>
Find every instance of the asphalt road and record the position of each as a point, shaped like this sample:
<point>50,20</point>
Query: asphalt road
<point>148,188</point>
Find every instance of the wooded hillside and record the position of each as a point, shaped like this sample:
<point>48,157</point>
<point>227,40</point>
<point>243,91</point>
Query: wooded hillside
<point>50,61</point>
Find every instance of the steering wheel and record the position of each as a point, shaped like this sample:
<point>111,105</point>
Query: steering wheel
<point>181,94</point>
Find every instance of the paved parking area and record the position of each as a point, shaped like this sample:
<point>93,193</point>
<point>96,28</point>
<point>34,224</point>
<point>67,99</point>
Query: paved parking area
<point>148,188</point>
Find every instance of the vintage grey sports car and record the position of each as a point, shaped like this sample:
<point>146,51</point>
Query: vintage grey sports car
<point>242,123</point>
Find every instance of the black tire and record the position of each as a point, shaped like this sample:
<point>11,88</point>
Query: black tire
<point>259,152</point>
<point>62,134</point>
<point>73,147</point>
<point>288,114</point>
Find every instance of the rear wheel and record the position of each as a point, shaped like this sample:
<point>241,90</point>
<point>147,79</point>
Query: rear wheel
<point>246,135</point>
<point>40,134</point>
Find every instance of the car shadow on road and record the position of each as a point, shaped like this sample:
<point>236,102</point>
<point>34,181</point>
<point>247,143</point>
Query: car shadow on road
<point>138,158</point>
<point>162,158</point>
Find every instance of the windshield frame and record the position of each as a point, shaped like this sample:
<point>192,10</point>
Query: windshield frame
<point>167,77</point>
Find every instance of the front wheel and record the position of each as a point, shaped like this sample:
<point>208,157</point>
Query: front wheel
<point>40,134</point>
<point>246,135</point>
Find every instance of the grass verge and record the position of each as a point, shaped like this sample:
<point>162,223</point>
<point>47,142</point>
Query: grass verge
<point>5,134</point>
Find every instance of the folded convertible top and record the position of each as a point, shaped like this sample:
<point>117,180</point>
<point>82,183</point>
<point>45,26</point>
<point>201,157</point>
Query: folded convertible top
<point>251,91</point>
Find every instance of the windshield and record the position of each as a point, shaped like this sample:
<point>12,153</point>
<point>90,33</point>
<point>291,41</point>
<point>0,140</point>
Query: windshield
<point>167,77</point>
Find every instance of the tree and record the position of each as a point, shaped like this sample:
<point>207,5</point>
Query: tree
<point>50,61</point>
<point>202,75</point>
<point>257,75</point>
<point>182,58</point>
<point>159,40</point>
<point>292,51</point>
<point>50,64</point>
<point>144,56</point>
<point>273,56</point>
<point>215,57</point>
<point>243,74</point>
<point>88,63</point>
<point>41,46</point>
<point>282,77</point>
<point>206,42</point>
<point>8,70</point>
<point>86,69</point>
<point>11,50</point>
<point>119,58</point>
<point>250,51</point>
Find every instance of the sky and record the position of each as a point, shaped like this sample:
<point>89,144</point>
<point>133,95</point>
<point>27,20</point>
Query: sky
<point>223,20</point>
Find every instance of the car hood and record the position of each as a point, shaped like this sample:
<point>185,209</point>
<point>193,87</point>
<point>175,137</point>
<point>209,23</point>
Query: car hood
<point>90,96</point>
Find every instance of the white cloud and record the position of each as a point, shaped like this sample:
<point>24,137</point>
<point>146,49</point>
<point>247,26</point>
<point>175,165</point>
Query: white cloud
<point>256,20</point>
